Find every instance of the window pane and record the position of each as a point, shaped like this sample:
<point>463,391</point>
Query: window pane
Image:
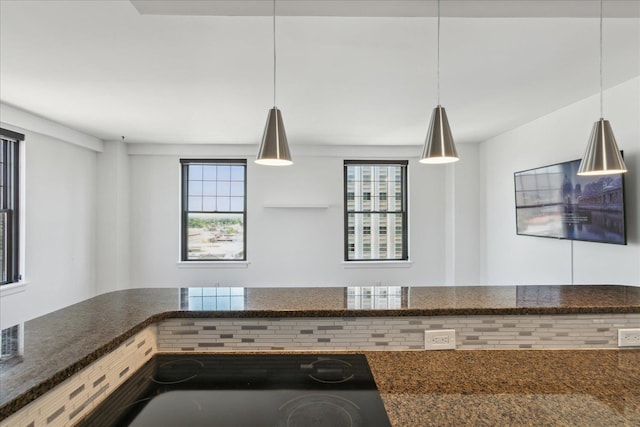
<point>237,173</point>
<point>224,188</point>
<point>195,172</point>
<point>237,189</point>
<point>195,203</point>
<point>209,204</point>
<point>195,188</point>
<point>237,204</point>
<point>215,236</point>
<point>209,172</point>
<point>208,188</point>
<point>224,173</point>
<point>223,204</point>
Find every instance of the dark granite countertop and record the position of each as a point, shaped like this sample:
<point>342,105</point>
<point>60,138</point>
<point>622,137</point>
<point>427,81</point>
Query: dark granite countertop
<point>61,343</point>
<point>509,387</point>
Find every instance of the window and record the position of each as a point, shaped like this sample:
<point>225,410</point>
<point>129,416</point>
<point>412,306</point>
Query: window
<point>9,204</point>
<point>214,210</point>
<point>375,199</point>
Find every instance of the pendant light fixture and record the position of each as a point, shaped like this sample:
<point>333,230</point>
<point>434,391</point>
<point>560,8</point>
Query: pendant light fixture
<point>439,146</point>
<point>274,150</point>
<point>602,156</point>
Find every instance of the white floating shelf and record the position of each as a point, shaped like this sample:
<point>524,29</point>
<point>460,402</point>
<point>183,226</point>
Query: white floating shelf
<point>296,205</point>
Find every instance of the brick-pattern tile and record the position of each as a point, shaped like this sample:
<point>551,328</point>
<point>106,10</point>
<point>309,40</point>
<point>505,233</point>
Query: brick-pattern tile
<point>578,331</point>
<point>77,396</point>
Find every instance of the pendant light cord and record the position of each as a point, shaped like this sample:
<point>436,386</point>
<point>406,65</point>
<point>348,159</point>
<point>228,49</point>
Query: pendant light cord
<point>601,85</point>
<point>438,54</point>
<point>274,53</point>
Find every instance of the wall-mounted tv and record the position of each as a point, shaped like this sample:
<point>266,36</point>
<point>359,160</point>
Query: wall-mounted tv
<point>553,201</point>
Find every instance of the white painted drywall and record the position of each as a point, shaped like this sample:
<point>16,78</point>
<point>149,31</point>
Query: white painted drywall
<point>295,246</point>
<point>112,215</point>
<point>466,211</point>
<point>558,137</point>
<point>60,240</point>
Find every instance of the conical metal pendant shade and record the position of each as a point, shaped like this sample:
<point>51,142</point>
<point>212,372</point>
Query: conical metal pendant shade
<point>602,156</point>
<point>274,150</point>
<point>439,146</point>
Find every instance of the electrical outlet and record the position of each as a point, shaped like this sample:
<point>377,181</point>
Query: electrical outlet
<point>442,339</point>
<point>628,337</point>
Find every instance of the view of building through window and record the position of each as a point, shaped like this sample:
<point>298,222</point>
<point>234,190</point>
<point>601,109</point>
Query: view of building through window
<point>375,210</point>
<point>213,210</point>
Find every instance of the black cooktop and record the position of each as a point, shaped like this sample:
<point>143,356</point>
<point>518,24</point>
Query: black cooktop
<point>278,390</point>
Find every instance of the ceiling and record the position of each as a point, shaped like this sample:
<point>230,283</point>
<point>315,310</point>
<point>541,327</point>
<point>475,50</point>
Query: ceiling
<point>351,72</point>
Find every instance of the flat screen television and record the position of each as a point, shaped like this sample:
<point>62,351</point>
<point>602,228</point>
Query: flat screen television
<point>553,201</point>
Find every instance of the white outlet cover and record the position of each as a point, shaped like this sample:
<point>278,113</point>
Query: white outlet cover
<point>440,339</point>
<point>628,337</point>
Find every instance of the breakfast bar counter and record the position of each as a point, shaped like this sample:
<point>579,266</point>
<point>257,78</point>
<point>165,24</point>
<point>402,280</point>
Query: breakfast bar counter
<point>62,343</point>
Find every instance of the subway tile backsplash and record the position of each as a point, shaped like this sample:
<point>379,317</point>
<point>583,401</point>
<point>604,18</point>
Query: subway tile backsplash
<point>567,331</point>
<point>68,402</point>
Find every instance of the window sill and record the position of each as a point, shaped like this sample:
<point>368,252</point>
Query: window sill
<point>377,264</point>
<point>13,288</point>
<point>213,264</point>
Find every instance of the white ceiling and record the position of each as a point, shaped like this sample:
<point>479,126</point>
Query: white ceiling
<point>349,72</point>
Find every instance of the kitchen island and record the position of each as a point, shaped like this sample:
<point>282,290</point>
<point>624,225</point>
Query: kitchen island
<point>61,344</point>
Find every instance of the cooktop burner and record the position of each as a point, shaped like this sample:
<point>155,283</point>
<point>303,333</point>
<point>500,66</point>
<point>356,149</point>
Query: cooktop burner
<point>279,390</point>
<point>320,410</point>
<point>329,370</point>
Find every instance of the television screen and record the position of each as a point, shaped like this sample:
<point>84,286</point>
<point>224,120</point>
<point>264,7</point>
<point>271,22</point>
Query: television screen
<point>553,201</point>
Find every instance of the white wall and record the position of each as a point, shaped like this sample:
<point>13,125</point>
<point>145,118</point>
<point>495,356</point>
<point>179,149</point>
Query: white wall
<point>465,235</point>
<point>59,214</point>
<point>112,252</point>
<point>296,246</point>
<point>557,137</point>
